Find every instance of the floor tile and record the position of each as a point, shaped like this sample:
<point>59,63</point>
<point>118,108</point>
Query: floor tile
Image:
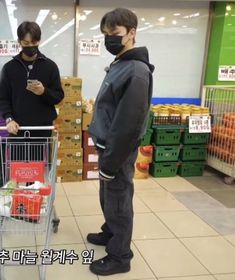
<point>197,200</point>
<point>158,202</point>
<point>89,224</point>
<point>68,233</point>
<point>76,271</point>
<point>169,258</point>
<point>176,184</point>
<point>146,185</point>
<point>18,240</point>
<point>85,205</point>
<point>80,188</point>
<point>230,238</point>
<point>139,205</point>
<point>139,268</point>
<point>221,219</point>
<point>62,206</point>
<point>59,189</point>
<point>225,196</point>
<point>225,277</point>
<point>185,224</point>
<point>201,277</point>
<point>215,253</point>
<point>148,226</point>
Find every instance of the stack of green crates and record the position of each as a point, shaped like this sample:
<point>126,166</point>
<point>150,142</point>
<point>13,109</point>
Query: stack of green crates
<point>148,135</point>
<point>193,154</point>
<point>166,142</point>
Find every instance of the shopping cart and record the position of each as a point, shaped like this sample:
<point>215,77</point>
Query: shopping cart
<point>28,167</point>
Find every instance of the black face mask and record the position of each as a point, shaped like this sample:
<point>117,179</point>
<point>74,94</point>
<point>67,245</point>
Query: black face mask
<point>113,44</point>
<point>30,51</point>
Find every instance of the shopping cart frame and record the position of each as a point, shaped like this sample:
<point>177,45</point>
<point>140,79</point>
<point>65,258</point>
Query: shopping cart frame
<point>48,147</point>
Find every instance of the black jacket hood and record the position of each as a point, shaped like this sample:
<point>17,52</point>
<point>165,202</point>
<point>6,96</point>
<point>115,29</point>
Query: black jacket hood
<point>140,54</point>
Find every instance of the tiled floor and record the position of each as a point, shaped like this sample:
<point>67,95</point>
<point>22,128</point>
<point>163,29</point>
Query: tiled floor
<point>180,232</point>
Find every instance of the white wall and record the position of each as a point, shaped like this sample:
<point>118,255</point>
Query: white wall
<point>176,50</point>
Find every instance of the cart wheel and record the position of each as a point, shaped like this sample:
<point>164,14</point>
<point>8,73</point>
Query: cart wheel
<point>56,223</point>
<point>228,180</point>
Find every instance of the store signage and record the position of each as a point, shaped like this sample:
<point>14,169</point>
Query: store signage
<point>226,73</point>
<point>9,48</point>
<point>90,47</point>
<point>199,124</point>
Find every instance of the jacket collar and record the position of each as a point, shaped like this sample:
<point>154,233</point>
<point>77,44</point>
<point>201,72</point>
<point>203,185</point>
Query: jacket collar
<point>40,56</point>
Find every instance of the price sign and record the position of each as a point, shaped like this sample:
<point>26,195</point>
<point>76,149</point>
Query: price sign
<point>9,48</point>
<point>199,124</point>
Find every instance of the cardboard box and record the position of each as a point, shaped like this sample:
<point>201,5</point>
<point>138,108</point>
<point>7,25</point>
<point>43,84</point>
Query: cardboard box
<point>69,125</point>
<point>141,170</point>
<point>70,157</point>
<point>72,87</point>
<point>69,173</point>
<point>90,155</point>
<point>70,140</point>
<point>145,154</point>
<point>90,171</point>
<point>70,109</point>
<point>87,140</point>
<point>86,121</point>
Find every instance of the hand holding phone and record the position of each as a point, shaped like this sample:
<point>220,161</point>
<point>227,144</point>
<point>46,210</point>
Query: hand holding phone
<point>35,87</point>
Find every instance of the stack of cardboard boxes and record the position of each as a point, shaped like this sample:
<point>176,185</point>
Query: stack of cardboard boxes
<point>90,155</point>
<point>69,123</point>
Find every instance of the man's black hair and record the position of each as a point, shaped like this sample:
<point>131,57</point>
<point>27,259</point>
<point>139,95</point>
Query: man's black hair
<point>119,17</point>
<point>29,27</point>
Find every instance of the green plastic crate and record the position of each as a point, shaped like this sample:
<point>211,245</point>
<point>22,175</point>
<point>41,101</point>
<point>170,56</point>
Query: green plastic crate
<point>187,169</point>
<point>166,136</point>
<point>147,138</point>
<point>193,152</point>
<point>166,153</point>
<point>163,169</point>
<point>194,138</point>
<point>150,120</point>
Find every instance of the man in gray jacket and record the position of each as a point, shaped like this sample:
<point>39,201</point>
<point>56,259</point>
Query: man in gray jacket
<point>118,124</point>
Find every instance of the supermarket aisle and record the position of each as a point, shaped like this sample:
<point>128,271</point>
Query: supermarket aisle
<point>179,233</point>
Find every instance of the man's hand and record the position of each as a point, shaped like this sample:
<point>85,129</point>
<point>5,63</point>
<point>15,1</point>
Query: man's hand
<point>12,127</point>
<point>37,89</point>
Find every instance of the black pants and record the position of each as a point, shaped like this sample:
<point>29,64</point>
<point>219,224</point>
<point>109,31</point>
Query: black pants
<point>116,199</point>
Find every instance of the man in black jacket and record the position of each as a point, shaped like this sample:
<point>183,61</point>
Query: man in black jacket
<point>30,85</point>
<point>118,124</point>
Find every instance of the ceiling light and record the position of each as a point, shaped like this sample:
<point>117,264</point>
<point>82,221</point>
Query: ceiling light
<point>95,27</point>
<point>80,34</point>
<point>184,26</point>
<point>87,12</point>
<point>147,23</point>
<point>82,17</point>
<point>60,31</point>
<point>42,16</point>
<point>226,14</point>
<point>144,28</point>
<point>142,19</point>
<point>161,19</point>
<point>174,22</point>
<point>13,21</point>
<point>196,15</point>
<point>177,14</point>
<point>228,8</point>
<point>54,16</point>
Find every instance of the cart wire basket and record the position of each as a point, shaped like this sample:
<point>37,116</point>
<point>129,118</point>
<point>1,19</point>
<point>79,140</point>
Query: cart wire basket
<point>27,194</point>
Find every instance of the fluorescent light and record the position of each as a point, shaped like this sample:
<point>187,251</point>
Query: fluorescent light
<point>161,19</point>
<point>196,15</point>
<point>95,27</point>
<point>142,19</point>
<point>98,36</point>
<point>147,23</point>
<point>54,16</point>
<point>13,21</point>
<point>42,16</point>
<point>184,26</point>
<point>177,14</point>
<point>174,22</point>
<point>144,28</point>
<point>60,31</point>
<point>82,17</point>
<point>87,12</point>
<point>80,34</point>
<point>228,8</point>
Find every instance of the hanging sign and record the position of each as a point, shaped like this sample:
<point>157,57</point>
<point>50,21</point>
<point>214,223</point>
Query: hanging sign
<point>90,47</point>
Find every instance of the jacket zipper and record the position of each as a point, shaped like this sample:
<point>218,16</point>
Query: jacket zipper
<point>26,69</point>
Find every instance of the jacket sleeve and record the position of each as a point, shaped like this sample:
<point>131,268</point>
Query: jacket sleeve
<point>126,128</point>
<point>5,95</point>
<point>54,93</point>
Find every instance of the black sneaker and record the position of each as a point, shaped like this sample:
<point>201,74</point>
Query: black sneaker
<point>107,266</point>
<point>98,238</point>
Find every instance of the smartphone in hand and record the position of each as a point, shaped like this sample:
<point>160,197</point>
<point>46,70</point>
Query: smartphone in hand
<point>32,82</point>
